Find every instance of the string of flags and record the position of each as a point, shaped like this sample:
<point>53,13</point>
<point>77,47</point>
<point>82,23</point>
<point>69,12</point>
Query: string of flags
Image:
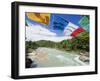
<point>55,22</point>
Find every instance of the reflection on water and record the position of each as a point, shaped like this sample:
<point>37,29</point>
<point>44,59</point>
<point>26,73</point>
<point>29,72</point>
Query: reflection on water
<point>48,57</point>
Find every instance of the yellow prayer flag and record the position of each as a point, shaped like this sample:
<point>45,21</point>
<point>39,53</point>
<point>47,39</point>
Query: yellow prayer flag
<point>39,17</point>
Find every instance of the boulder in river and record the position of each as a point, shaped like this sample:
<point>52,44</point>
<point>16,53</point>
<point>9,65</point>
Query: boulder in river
<point>84,58</point>
<point>28,63</point>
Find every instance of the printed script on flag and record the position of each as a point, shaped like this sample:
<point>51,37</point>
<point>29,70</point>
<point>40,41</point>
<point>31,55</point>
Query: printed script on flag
<point>72,29</point>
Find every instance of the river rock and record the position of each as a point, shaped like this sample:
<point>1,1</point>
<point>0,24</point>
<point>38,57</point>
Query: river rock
<point>84,58</point>
<point>28,63</point>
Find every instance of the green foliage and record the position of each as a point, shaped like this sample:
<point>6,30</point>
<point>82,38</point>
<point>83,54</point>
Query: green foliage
<point>80,42</point>
<point>84,40</point>
<point>30,45</point>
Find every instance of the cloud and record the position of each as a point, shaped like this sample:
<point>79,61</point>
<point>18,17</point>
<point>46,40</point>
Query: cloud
<point>37,32</point>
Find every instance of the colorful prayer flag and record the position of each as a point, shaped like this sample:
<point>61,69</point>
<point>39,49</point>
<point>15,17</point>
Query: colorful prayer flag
<point>84,22</point>
<point>72,29</point>
<point>43,18</point>
<point>59,23</point>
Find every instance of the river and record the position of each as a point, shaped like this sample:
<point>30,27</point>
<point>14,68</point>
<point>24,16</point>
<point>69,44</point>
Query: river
<point>49,57</point>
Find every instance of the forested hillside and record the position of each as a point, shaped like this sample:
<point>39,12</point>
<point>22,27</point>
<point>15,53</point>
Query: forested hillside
<point>80,42</point>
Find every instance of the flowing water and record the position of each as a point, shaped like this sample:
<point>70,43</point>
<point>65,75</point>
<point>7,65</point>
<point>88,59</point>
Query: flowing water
<point>54,58</point>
